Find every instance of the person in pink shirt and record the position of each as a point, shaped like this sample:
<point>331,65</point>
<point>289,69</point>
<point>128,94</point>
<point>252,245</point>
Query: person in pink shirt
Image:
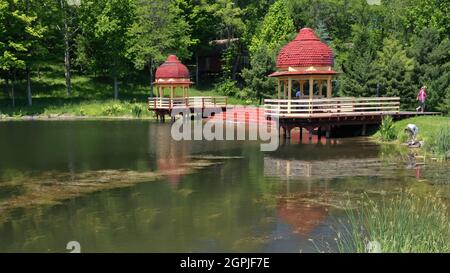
<point>421,97</point>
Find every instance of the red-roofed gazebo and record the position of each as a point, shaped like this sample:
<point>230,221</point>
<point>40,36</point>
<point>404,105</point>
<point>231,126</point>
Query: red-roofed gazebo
<point>172,75</point>
<point>306,59</point>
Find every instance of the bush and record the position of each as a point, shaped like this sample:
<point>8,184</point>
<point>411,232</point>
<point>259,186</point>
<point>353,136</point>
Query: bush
<point>387,130</point>
<point>136,110</point>
<point>403,223</point>
<point>227,88</point>
<point>112,110</point>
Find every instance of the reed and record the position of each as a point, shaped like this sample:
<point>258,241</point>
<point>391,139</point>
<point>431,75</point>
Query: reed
<point>403,223</point>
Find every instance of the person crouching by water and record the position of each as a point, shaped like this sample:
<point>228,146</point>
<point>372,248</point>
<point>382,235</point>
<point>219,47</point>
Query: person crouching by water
<point>412,130</point>
<point>421,97</point>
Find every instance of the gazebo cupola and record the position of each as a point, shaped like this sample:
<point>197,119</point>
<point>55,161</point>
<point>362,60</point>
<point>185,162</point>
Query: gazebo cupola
<point>305,60</point>
<point>172,75</point>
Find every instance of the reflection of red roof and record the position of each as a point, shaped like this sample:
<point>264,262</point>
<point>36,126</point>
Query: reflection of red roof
<point>302,217</point>
<point>172,68</point>
<point>305,50</point>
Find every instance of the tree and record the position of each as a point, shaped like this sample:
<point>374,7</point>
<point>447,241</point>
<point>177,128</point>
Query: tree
<point>159,29</point>
<point>68,30</point>
<point>20,36</point>
<point>102,42</point>
<point>231,26</point>
<point>276,29</point>
<point>256,78</point>
<point>428,14</point>
<point>360,77</point>
<point>433,65</point>
<point>394,72</point>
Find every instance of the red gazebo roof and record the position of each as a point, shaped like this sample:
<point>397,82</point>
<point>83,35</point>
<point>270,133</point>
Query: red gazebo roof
<point>172,71</point>
<point>304,51</point>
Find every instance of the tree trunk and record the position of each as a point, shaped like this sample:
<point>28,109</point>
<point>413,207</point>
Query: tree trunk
<point>30,98</point>
<point>235,66</point>
<point>116,88</point>
<point>197,80</point>
<point>150,65</point>
<point>66,52</point>
<point>12,93</point>
<point>5,87</point>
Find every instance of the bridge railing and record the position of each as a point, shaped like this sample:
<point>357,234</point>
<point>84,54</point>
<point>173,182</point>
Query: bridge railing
<point>331,107</point>
<point>156,103</point>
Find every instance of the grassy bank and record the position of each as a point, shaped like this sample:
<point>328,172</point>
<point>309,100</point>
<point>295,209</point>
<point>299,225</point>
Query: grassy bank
<point>403,223</point>
<point>434,131</point>
<point>90,97</point>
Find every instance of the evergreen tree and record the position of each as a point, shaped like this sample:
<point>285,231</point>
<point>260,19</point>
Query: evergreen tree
<point>276,29</point>
<point>433,65</point>
<point>360,77</point>
<point>394,72</point>
<point>259,85</point>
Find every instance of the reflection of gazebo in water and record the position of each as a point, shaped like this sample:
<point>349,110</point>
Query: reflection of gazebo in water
<point>303,218</point>
<point>305,60</point>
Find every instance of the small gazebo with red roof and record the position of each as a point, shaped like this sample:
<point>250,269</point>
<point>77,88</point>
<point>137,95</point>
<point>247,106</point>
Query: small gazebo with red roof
<point>172,75</point>
<point>306,59</point>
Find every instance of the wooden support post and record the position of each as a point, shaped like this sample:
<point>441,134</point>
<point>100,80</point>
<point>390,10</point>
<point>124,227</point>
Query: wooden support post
<point>311,88</point>
<point>302,91</point>
<point>301,134</point>
<point>319,133</point>
<point>289,94</point>
<point>320,88</point>
<point>329,87</point>
<point>284,89</point>
<point>279,89</point>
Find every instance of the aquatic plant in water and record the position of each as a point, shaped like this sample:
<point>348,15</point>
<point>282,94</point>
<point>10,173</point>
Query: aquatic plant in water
<point>440,142</point>
<point>403,223</point>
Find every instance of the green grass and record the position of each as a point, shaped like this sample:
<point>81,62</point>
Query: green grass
<point>91,97</point>
<point>434,131</point>
<point>404,223</point>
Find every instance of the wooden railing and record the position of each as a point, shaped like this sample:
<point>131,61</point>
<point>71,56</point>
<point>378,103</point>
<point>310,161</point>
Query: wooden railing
<point>331,107</point>
<point>189,102</point>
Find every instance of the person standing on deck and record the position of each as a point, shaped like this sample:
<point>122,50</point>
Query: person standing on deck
<point>421,97</point>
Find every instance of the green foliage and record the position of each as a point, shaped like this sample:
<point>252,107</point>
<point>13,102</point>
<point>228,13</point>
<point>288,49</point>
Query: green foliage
<point>276,29</point>
<point>386,130</point>
<point>440,142</point>
<point>428,14</point>
<point>101,44</point>
<point>404,223</point>
<point>394,72</point>
<point>227,88</point>
<point>113,110</point>
<point>136,110</point>
<point>256,78</point>
<point>360,78</point>
<point>158,29</point>
<point>444,106</point>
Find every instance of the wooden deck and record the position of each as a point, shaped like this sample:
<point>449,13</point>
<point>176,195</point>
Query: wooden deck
<point>328,114</point>
<point>168,106</point>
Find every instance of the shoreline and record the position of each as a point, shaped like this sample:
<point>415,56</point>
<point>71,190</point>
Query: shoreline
<point>72,118</point>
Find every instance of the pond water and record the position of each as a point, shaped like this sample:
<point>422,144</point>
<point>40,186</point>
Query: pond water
<point>125,186</point>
